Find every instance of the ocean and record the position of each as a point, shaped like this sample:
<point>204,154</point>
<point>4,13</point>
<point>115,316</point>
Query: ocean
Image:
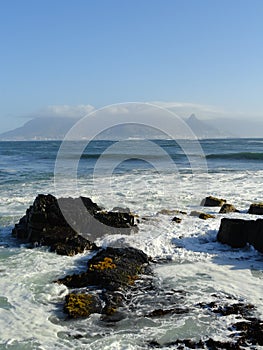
<point>153,179</point>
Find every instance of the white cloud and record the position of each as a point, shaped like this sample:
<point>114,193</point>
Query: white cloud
<point>181,109</point>
<point>64,111</point>
<point>185,109</point>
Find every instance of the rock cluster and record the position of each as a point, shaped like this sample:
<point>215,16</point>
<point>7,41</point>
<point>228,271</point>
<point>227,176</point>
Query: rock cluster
<point>244,334</point>
<point>110,270</point>
<point>47,222</point>
<point>113,271</point>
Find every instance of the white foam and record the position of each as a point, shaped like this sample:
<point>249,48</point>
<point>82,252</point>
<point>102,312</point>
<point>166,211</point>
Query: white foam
<point>198,264</point>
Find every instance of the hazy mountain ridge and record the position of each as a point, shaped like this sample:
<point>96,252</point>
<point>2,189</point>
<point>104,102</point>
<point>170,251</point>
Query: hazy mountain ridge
<point>55,128</point>
<point>48,128</point>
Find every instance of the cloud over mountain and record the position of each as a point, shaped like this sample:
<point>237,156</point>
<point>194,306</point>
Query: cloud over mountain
<point>171,118</point>
<point>64,111</point>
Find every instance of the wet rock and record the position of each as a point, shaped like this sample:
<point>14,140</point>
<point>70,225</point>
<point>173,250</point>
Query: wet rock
<point>44,224</point>
<point>164,312</point>
<point>238,233</point>
<point>233,232</point>
<point>201,215</point>
<point>115,219</point>
<point>70,245</point>
<point>256,208</point>
<point>247,333</point>
<point>110,268</point>
<point>228,208</point>
<point>177,220</point>
<point>65,224</point>
<point>212,202</point>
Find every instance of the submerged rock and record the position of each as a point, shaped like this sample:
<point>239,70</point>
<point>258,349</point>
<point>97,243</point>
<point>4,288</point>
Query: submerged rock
<point>250,332</point>
<point>202,215</point>
<point>247,333</point>
<point>165,312</point>
<point>171,212</point>
<point>228,208</point>
<point>238,233</point>
<point>64,224</point>
<point>212,202</point>
<point>256,208</point>
<point>177,220</point>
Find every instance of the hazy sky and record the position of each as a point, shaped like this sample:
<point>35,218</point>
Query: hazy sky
<point>99,52</point>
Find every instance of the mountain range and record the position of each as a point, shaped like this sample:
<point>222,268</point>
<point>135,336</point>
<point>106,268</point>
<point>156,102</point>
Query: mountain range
<point>55,128</point>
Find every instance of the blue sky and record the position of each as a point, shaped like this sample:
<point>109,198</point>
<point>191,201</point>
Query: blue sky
<point>99,52</point>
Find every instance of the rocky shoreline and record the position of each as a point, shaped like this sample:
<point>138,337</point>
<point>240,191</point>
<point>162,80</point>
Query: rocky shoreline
<point>112,273</point>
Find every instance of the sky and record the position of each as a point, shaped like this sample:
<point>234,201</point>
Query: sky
<point>69,55</point>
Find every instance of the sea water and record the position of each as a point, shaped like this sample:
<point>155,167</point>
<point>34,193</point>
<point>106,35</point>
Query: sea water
<point>190,266</point>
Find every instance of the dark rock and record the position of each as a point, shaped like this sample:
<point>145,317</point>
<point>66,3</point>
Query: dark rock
<point>228,208</point>
<point>115,219</point>
<point>177,220</point>
<point>110,268</point>
<point>72,245</point>
<point>233,232</point>
<point>225,310</point>
<point>201,215</point>
<point>65,223</point>
<point>210,344</point>
<point>213,202</point>
<point>44,224</point>
<point>238,232</point>
<point>164,312</point>
<point>255,234</point>
<point>256,208</point>
<point>244,334</point>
